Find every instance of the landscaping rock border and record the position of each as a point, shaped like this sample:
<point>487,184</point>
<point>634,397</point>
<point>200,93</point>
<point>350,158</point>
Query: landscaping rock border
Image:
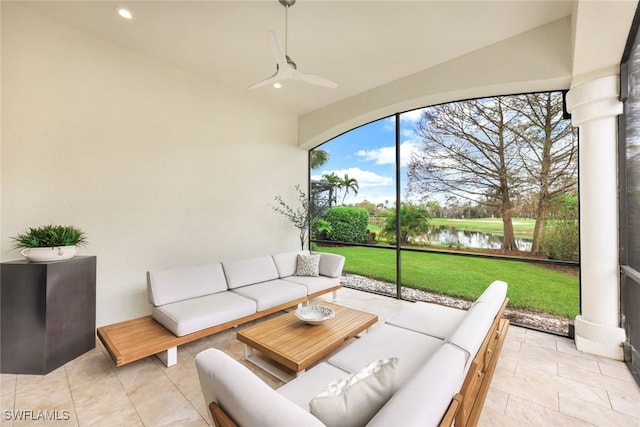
<point>526,318</point>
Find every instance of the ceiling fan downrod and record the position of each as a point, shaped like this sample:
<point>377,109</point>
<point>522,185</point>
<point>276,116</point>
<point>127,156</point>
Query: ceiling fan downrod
<point>287,4</point>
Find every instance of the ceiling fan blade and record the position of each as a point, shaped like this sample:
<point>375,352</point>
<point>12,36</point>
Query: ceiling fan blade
<point>315,80</point>
<point>266,82</point>
<point>286,69</point>
<point>283,73</point>
<point>278,54</point>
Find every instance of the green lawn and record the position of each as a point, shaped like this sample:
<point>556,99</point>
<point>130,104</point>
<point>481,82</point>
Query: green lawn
<point>530,286</point>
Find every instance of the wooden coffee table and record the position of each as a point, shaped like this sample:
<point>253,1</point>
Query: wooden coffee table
<point>296,345</point>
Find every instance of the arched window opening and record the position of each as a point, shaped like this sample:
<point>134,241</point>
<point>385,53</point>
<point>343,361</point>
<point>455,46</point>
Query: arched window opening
<point>433,204</point>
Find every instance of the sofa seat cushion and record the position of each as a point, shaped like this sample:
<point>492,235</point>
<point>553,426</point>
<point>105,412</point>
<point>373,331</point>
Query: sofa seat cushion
<point>188,316</point>
<point>384,342</point>
<point>428,318</point>
<point>301,390</point>
<point>425,397</point>
<point>272,293</point>
<point>167,286</point>
<point>245,397</point>
<point>314,284</point>
<point>249,271</point>
<point>286,263</point>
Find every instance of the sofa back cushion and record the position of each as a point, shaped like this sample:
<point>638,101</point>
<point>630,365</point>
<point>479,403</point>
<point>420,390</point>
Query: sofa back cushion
<point>331,264</point>
<point>178,284</point>
<point>473,329</point>
<point>424,399</point>
<point>243,396</point>
<point>286,262</point>
<point>249,271</point>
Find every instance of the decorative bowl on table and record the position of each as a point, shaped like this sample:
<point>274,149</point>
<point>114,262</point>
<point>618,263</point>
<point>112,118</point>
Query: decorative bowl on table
<point>314,314</point>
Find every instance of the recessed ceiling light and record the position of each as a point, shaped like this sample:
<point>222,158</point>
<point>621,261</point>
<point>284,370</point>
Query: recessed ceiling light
<point>124,13</point>
<point>277,85</point>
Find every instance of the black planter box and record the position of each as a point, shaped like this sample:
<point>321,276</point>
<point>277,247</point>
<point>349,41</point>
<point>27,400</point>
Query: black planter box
<point>47,313</point>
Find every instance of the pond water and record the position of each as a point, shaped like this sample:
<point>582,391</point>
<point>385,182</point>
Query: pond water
<point>468,239</point>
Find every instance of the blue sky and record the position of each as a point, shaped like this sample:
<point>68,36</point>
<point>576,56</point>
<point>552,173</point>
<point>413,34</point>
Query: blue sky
<point>368,155</point>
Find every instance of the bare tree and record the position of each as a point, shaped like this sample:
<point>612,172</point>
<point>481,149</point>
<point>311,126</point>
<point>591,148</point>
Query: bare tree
<point>549,152</point>
<point>498,152</point>
<point>469,150</point>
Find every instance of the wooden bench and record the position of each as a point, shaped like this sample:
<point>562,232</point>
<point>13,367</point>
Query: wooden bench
<point>136,339</point>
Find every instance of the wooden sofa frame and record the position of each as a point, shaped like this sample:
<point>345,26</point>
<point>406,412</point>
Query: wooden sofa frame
<point>476,384</point>
<point>138,338</point>
<point>466,406</point>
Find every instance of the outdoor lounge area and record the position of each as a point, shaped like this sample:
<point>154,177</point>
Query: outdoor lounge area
<point>541,379</point>
<point>150,129</point>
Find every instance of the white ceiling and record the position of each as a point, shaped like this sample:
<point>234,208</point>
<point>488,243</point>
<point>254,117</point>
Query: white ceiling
<point>358,44</point>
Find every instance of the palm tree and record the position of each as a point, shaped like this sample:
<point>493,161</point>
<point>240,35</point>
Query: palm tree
<point>333,179</point>
<point>349,184</point>
<point>318,158</point>
<point>414,220</point>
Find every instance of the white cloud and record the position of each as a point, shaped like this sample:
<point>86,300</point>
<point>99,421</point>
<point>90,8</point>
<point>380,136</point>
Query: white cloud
<point>365,178</point>
<point>409,134</point>
<point>390,123</point>
<point>406,151</point>
<point>408,117</point>
<point>387,155</point>
<point>381,156</point>
<point>411,116</point>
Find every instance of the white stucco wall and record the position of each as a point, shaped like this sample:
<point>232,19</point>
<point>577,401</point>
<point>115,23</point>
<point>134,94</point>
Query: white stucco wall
<point>536,60</point>
<point>159,167</point>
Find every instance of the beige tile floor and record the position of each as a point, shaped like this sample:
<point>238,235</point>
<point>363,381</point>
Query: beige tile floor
<point>541,380</point>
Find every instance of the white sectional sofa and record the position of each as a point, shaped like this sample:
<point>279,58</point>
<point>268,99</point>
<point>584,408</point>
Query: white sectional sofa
<point>190,303</point>
<point>443,361</point>
<point>190,299</point>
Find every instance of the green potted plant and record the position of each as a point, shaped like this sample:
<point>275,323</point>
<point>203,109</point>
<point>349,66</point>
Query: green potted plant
<point>50,242</point>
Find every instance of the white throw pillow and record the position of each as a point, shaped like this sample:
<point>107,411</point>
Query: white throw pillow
<point>308,265</point>
<point>354,400</point>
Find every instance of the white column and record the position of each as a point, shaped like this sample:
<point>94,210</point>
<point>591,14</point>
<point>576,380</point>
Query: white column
<point>594,107</point>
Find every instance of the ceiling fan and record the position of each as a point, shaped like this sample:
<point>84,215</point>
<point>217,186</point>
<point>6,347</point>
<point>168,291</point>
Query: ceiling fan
<point>286,68</point>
